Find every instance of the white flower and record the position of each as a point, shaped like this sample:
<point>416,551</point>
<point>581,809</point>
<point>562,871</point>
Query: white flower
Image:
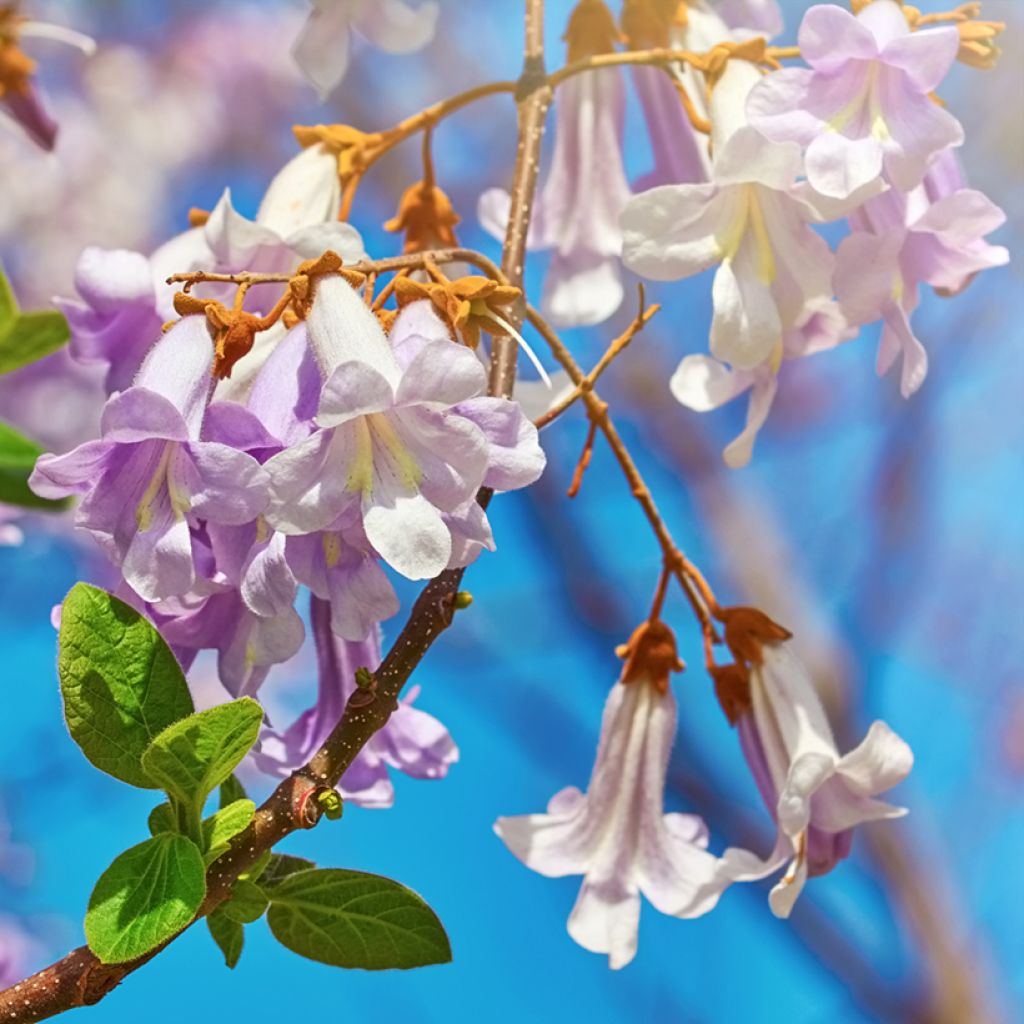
<point>617,835</point>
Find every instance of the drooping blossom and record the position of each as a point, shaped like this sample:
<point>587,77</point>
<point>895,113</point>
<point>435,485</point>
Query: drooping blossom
<point>679,155</point>
<point>702,383</point>
<point>399,446</point>
<point>752,219</point>
<point>576,214</point>
<point>125,296</point>
<point>150,478</point>
<point>863,108</point>
<point>395,26</point>
<point>411,741</point>
<point>816,795</point>
<point>19,98</point>
<point>936,236</point>
<point>617,834</point>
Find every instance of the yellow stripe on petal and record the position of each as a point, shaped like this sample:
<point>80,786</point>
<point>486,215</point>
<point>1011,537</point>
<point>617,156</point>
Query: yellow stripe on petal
<point>409,471</point>
<point>332,549</point>
<point>360,476</point>
<point>144,510</point>
<point>766,270</point>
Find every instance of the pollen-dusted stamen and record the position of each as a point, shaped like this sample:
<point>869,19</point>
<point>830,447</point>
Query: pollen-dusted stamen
<point>591,30</point>
<point>650,655</point>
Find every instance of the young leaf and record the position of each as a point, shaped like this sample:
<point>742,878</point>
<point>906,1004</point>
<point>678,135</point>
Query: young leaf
<point>281,866</point>
<point>149,894</point>
<point>191,758</point>
<point>352,919</point>
<point>162,819</point>
<point>30,336</point>
<point>247,902</point>
<point>8,304</point>
<point>229,935</point>
<point>120,682</point>
<point>231,790</point>
<point>17,458</point>
<point>220,828</point>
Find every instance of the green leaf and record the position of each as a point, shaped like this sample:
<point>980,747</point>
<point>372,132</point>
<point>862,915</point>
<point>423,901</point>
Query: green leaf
<point>162,819</point>
<point>17,459</point>
<point>281,866</point>
<point>247,902</point>
<point>220,828</point>
<point>352,919</point>
<point>29,336</point>
<point>231,790</point>
<point>149,894</point>
<point>120,682</point>
<point>191,758</point>
<point>229,935</point>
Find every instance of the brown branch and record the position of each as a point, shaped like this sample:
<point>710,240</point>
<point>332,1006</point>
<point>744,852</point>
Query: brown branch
<point>698,593</point>
<point>533,97</point>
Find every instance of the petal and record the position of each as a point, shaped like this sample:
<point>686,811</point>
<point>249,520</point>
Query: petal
<point>749,157</point>
<point>677,875</point>
<point>229,487</point>
<point>919,130</point>
<point>702,383</point>
<point>361,597</point>
<point>549,844</point>
<point>778,106</point>
<point>286,391</point>
<point>308,483</point>
<point>885,20</point>
<point>139,414</point>
<point>835,809</point>
<point>866,268</point>
<point>837,166</point>
<point>746,327</point>
<point>515,457</point>
<point>322,47</point>
<point>416,327</point>
<point>807,774</point>
<point>669,232</point>
<point>313,240</point>
<point>234,240</point>
<point>738,451</point>
<point>353,389</point>
<point>158,562</point>
<point>785,893</point>
<point>898,336</point>
<point>606,919</point>
<point>830,36</point>
<point>581,289</point>
<point>442,372</point>
<point>881,761</point>
<point>305,192</point>
<point>76,472</point>
<point>924,56</point>
<point>492,210</point>
<point>268,586</point>
<point>397,27</point>
<point>409,534</point>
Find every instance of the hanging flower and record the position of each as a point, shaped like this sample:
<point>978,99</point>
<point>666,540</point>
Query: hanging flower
<point>816,795</point>
<point>751,219</point>
<point>864,106</point>
<point>150,477</point>
<point>18,95</point>
<point>396,448</point>
<point>576,214</point>
<point>395,26</point>
<point>616,834</point>
<point>411,741</point>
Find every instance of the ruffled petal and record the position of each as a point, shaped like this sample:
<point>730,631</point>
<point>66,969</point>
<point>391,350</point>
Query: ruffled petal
<point>606,919</point>
<point>229,486</point>
<point>830,36</point>
<point>442,372</point>
<point>353,389</point>
<point>409,533</point>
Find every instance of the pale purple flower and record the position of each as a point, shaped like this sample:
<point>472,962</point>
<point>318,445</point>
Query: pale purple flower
<point>617,834</point>
<point>399,446</point>
<point>411,741</point>
<point>752,219</point>
<point>150,478</point>
<point>395,26</point>
<point>126,298</point>
<point>576,214</point>
<point>862,109</point>
<point>816,795</point>
<point>19,99</point>
<point>702,383</point>
<point>903,241</point>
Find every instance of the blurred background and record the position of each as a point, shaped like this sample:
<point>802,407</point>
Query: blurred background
<point>887,534</point>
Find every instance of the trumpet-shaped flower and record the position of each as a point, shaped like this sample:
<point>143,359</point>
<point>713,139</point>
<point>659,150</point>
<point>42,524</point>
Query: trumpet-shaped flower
<point>752,220</point>
<point>398,446</point>
<point>863,108</point>
<point>395,26</point>
<point>150,477</point>
<point>411,741</point>
<point>19,98</point>
<point>576,215</point>
<point>617,834</point>
<point>899,243</point>
<point>816,795</point>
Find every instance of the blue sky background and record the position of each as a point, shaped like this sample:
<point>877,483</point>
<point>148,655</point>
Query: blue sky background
<point>887,534</point>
